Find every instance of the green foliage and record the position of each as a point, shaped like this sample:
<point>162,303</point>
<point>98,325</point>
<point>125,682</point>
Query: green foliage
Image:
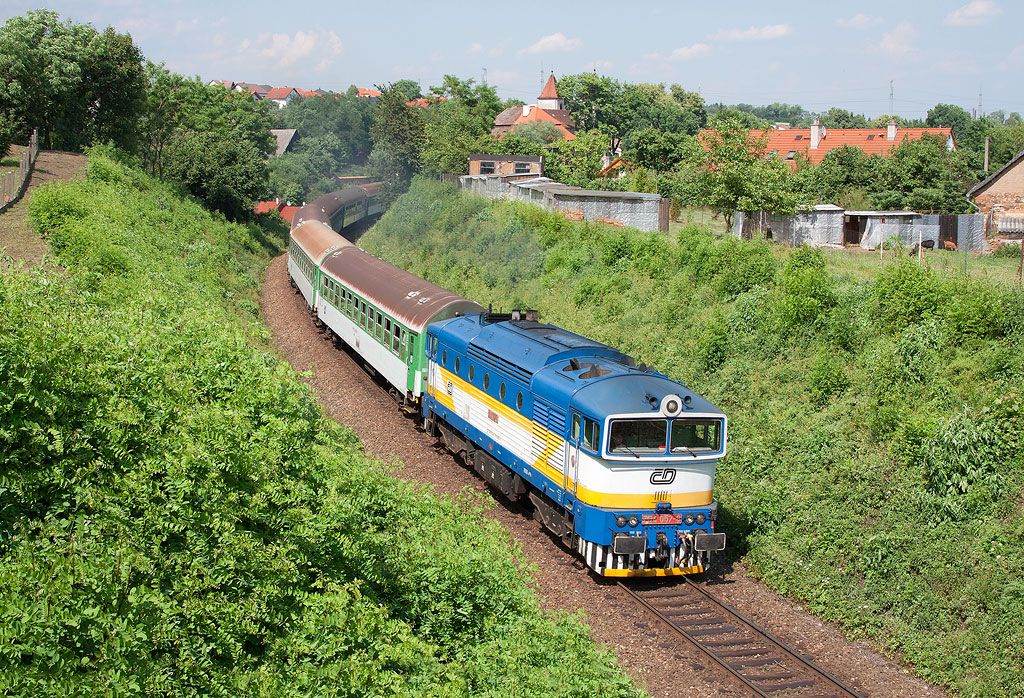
<point>398,136</point>
<point>828,376</point>
<point>226,175</point>
<point>75,84</point>
<point>875,454</point>
<point>178,516</point>
<point>343,118</point>
<point>841,118</point>
<point>578,161</point>
<point>603,103</point>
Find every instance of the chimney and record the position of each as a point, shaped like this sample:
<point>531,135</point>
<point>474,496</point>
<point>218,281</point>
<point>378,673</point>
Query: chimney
<point>890,132</point>
<point>817,133</point>
<point>526,110</point>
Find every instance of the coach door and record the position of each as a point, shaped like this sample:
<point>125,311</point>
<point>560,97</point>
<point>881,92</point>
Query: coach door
<point>572,454</point>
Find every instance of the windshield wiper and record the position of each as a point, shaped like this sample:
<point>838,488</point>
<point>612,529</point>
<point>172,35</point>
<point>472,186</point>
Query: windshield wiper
<point>627,449</point>
<point>685,449</point>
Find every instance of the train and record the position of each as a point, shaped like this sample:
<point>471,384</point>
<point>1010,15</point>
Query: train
<point>614,458</point>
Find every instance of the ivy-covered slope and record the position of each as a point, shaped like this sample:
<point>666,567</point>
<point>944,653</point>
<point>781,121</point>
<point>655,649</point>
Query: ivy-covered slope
<point>178,518</point>
<point>875,466</point>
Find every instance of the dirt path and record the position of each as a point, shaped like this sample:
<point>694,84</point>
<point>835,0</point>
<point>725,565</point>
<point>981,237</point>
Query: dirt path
<point>652,656</point>
<point>17,239</point>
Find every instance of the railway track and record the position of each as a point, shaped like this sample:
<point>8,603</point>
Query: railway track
<point>764,663</point>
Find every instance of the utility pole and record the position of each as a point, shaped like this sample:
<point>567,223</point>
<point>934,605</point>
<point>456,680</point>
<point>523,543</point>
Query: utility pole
<point>986,153</point>
<point>483,78</point>
<point>891,113</point>
<point>981,114</point>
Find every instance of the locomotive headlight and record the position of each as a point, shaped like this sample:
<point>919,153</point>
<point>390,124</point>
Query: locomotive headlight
<point>688,519</point>
<point>634,520</point>
<point>701,518</point>
<point>620,520</point>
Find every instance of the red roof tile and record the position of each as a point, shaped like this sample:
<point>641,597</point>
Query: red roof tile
<point>267,206</point>
<point>279,93</point>
<point>872,141</point>
<point>367,92</point>
<point>550,90</point>
<point>288,212</point>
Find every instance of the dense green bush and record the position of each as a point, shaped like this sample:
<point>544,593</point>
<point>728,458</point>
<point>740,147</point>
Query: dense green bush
<point>875,468</point>
<point>177,516</point>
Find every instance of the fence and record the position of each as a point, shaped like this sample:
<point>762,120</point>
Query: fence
<point>12,184</point>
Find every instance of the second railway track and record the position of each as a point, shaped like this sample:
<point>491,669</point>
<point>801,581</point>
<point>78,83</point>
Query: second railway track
<point>764,663</point>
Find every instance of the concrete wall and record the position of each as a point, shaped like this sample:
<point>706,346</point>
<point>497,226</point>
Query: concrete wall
<point>617,208</point>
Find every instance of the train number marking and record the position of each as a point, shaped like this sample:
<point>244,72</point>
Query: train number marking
<point>663,476</point>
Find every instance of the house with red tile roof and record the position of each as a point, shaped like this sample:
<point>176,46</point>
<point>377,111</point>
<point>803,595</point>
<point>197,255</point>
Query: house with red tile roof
<point>268,206</point>
<point>367,92</point>
<point>282,96</point>
<point>550,108</point>
<point>422,102</point>
<point>814,143</point>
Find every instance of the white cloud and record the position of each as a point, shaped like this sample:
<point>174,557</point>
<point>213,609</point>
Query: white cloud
<point>685,53</point>
<point>600,64</point>
<point>769,31</point>
<point>898,43</point>
<point>475,48</point>
<point>858,21</point>
<point>973,13</point>
<point>285,49</point>
<point>552,43</point>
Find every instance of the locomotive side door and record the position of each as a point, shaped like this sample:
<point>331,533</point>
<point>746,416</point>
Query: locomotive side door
<point>572,454</point>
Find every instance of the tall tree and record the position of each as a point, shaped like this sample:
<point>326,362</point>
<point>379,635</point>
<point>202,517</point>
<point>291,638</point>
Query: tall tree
<point>841,118</point>
<point>398,138</point>
<point>346,118</point>
<point>75,84</point>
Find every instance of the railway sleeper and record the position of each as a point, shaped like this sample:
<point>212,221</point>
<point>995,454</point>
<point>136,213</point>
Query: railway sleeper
<point>699,622</point>
<point>778,676</point>
<point>746,662</point>
<point>745,652</point>
<point>788,685</point>
<point>719,630</point>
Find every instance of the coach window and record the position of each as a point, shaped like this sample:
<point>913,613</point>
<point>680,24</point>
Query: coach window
<point>501,391</point>
<point>590,440</point>
<point>519,402</point>
<point>396,340</point>
<point>380,325</point>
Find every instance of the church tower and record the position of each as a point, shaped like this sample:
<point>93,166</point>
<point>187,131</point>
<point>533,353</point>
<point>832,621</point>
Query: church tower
<point>549,98</point>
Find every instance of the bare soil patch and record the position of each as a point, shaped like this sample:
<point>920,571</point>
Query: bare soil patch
<point>654,657</point>
<point>17,239</point>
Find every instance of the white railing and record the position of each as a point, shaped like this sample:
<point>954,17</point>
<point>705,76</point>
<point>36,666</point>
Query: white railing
<point>12,184</point>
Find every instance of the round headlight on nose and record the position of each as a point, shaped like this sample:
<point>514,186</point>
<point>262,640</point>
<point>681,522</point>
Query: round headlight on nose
<point>634,520</point>
<point>688,519</point>
<point>620,520</point>
<point>701,518</point>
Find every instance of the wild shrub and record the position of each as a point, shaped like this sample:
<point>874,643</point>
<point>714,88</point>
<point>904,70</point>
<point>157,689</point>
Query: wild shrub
<point>827,377</point>
<point>806,290</point>
<point>974,452</point>
<point>714,345</point>
<point>906,293</point>
<point>973,309</point>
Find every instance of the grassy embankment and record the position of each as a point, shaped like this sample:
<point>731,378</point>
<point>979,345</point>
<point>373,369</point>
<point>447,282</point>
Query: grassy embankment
<point>177,517</point>
<point>875,466</point>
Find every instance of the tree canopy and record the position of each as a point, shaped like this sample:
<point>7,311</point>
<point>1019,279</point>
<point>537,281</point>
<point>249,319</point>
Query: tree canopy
<point>76,84</point>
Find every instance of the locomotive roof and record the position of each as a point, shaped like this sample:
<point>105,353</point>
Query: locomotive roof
<point>565,367</point>
<point>406,297</point>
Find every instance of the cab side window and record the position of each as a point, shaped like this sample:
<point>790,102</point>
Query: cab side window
<point>590,434</point>
<point>575,427</point>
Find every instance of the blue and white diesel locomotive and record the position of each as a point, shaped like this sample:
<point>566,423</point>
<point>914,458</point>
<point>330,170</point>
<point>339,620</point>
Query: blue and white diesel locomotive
<point>617,460</point>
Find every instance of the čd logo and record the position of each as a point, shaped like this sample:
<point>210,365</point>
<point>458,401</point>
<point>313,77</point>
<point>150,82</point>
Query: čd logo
<point>663,476</point>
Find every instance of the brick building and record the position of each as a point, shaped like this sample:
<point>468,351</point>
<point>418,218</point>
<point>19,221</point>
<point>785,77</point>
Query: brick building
<point>481,164</point>
<point>1004,188</point>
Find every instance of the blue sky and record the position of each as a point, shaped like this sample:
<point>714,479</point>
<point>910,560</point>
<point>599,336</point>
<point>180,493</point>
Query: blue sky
<point>815,54</point>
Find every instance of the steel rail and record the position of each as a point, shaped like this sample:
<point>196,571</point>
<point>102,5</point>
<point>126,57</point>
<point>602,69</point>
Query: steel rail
<point>759,635</point>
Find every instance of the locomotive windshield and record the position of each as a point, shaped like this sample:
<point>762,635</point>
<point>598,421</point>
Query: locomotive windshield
<point>696,435</point>
<point>636,436</point>
<point>647,437</point>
